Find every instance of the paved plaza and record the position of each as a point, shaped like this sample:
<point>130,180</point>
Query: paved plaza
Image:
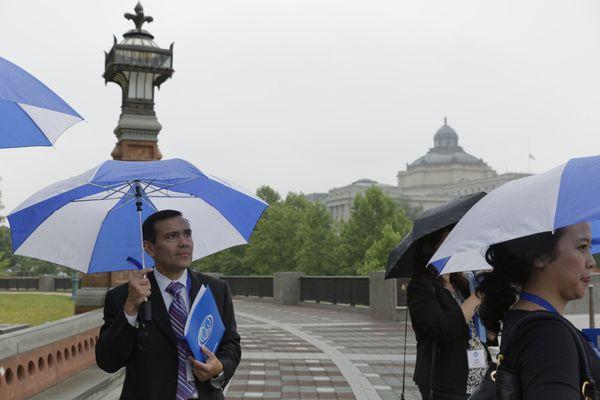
<point>294,353</point>
<point>303,352</point>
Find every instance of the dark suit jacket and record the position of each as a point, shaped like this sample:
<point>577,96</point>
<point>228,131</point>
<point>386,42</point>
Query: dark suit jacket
<point>152,374</point>
<point>437,318</point>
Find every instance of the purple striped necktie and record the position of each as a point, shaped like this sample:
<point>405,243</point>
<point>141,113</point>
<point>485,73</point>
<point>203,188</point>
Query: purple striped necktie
<point>178,315</point>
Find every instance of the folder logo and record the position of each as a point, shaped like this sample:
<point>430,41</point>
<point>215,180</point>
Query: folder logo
<point>205,330</point>
<point>204,326</point>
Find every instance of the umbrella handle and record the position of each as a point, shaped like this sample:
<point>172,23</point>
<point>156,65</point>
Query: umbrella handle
<point>144,318</point>
<point>145,312</point>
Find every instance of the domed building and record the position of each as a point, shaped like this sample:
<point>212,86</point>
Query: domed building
<point>444,164</point>
<point>446,171</point>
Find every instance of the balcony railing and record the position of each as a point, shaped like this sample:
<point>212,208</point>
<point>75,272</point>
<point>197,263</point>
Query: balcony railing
<point>353,290</point>
<point>256,286</point>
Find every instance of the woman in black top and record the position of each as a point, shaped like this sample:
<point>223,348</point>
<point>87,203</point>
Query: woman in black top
<point>540,273</point>
<point>441,312</point>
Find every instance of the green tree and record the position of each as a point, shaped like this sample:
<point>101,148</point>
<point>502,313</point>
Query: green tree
<point>5,250</point>
<point>370,213</point>
<point>275,240</point>
<point>376,256</point>
<point>317,241</point>
<point>268,194</point>
<point>227,262</point>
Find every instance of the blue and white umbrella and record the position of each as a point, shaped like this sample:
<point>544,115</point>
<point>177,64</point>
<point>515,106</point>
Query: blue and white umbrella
<point>90,222</point>
<point>563,196</point>
<point>30,113</point>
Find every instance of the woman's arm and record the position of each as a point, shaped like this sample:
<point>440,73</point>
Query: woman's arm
<point>427,314</point>
<point>469,305</point>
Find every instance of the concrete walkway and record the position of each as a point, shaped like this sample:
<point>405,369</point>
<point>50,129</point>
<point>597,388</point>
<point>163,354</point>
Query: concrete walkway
<point>313,353</point>
<point>297,353</point>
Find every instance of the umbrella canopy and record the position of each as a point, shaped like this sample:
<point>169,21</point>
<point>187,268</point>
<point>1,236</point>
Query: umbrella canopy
<point>30,113</point>
<point>402,259</point>
<point>91,222</point>
<point>563,196</point>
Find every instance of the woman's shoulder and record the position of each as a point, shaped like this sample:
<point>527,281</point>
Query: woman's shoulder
<point>420,282</point>
<point>544,354</point>
<point>546,333</point>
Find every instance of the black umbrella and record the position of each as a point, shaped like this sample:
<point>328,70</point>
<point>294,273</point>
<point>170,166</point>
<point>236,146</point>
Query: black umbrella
<point>402,260</point>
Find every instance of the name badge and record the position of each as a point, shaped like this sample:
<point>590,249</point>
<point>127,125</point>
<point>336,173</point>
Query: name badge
<point>477,358</point>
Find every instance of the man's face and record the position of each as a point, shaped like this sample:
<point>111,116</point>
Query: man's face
<point>173,246</point>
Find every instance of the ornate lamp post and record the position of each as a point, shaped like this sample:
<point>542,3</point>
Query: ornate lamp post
<point>138,65</point>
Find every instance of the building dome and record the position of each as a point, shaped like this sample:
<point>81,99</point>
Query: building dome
<point>446,150</point>
<point>445,136</point>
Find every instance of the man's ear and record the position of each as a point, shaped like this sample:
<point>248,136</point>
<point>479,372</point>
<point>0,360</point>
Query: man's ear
<point>149,248</point>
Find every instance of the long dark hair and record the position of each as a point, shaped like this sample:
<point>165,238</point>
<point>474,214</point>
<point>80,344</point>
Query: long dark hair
<point>426,250</point>
<point>513,263</point>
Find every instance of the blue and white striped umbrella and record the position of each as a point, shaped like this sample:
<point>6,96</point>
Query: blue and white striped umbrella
<point>563,196</point>
<point>30,113</point>
<point>90,222</point>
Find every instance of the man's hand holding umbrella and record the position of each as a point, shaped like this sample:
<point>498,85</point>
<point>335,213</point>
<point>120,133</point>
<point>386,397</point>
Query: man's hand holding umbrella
<point>139,291</point>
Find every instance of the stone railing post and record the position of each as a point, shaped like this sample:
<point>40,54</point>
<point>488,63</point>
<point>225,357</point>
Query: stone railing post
<point>46,283</point>
<point>382,296</point>
<point>286,287</point>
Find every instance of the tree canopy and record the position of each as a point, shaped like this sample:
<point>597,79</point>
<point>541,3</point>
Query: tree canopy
<point>297,235</point>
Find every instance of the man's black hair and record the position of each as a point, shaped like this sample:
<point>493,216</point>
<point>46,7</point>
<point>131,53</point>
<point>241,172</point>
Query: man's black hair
<point>148,231</point>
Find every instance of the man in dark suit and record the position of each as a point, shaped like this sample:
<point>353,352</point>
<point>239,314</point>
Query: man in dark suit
<point>160,365</point>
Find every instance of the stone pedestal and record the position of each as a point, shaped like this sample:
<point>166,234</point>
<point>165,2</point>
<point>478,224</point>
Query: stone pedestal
<point>94,286</point>
<point>89,298</point>
<point>382,297</point>
<point>46,283</point>
<point>136,150</point>
<point>286,287</point>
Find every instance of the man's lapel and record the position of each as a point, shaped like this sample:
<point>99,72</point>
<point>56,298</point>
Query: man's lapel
<point>196,284</point>
<point>160,315</point>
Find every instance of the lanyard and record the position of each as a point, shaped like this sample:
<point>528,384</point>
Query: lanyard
<point>479,328</point>
<point>532,298</point>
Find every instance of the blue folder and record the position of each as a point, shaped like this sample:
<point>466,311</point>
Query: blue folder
<point>204,326</point>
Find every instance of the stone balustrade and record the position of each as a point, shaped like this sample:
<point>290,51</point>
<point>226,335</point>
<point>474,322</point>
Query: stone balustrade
<point>39,357</point>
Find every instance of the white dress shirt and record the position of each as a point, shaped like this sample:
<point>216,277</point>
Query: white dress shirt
<point>163,283</point>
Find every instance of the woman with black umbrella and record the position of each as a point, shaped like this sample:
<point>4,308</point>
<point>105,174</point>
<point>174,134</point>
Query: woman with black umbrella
<point>451,353</point>
<point>441,313</point>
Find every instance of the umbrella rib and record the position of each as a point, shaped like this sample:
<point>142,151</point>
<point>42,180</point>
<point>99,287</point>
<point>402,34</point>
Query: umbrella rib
<point>132,199</point>
<point>85,200</point>
<point>169,185</point>
<point>174,197</point>
<point>110,191</point>
<point>116,189</point>
<point>122,205</point>
<point>149,204</point>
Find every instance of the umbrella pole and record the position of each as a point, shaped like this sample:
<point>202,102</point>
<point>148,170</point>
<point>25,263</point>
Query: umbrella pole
<point>138,206</point>
<point>145,311</point>
<point>404,361</point>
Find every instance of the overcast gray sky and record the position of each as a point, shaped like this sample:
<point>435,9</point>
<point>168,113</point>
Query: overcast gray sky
<point>307,95</point>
